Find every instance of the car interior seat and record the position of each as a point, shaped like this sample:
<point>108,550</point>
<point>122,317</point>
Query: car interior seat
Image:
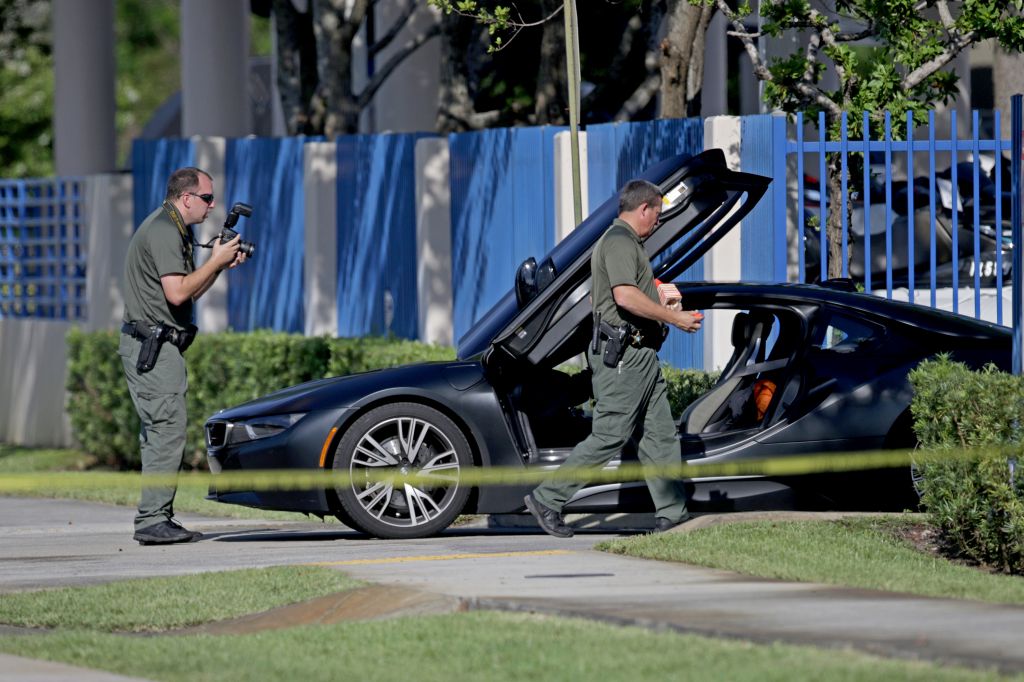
<point>713,411</point>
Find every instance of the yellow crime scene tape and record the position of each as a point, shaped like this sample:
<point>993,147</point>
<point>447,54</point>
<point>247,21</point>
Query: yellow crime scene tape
<point>302,479</point>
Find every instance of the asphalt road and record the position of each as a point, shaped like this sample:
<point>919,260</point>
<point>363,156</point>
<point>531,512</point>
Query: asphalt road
<point>47,543</point>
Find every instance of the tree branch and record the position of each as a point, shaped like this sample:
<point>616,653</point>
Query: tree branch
<point>640,98</point>
<point>392,63</point>
<point>917,76</point>
<point>474,121</point>
<point>808,92</point>
<point>396,27</point>
<point>945,16</point>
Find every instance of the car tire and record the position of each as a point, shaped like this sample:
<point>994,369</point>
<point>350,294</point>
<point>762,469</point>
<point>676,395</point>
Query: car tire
<point>403,438</point>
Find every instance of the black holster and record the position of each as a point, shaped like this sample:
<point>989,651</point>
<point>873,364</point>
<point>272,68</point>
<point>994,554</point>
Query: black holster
<point>153,337</point>
<point>616,340</point>
<point>150,350</point>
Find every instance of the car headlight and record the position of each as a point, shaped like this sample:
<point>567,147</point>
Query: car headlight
<point>260,427</point>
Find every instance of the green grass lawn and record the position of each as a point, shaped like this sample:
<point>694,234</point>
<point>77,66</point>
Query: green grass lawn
<point>860,552</point>
<point>21,460</point>
<point>154,604</point>
<point>465,646</point>
<point>190,497</point>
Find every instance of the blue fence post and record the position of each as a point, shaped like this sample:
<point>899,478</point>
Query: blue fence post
<point>1015,217</point>
<point>779,196</point>
<point>763,231</point>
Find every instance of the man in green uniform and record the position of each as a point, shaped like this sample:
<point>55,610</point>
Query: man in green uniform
<point>632,393</point>
<point>161,284</point>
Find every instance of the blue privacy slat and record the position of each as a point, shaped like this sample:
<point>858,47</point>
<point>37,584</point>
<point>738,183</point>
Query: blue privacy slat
<point>377,266</point>
<point>619,152</point>
<point>267,291</point>
<point>153,161</point>
<point>502,208</point>
<point>756,157</point>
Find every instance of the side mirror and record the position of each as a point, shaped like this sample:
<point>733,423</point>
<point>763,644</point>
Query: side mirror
<point>526,282</point>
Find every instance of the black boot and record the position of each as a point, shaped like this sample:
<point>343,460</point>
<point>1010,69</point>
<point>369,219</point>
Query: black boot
<point>550,521</point>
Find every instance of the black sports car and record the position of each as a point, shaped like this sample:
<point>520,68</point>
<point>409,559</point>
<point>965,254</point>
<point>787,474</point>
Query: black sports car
<point>837,362</point>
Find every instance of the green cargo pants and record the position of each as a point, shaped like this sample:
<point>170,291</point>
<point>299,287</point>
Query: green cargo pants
<point>631,394</point>
<point>159,397</point>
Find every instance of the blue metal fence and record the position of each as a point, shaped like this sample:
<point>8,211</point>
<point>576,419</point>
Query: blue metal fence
<point>266,173</point>
<point>618,152</point>
<point>502,207</point>
<point>43,249</point>
<point>377,235</point>
<point>928,213</point>
<point>763,231</point>
<point>153,161</point>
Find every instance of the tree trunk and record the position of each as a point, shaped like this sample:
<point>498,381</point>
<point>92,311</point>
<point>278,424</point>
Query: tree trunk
<point>296,65</point>
<point>633,77</point>
<point>682,58</point>
<point>461,53</point>
<point>833,225</point>
<point>695,71</point>
<point>334,109</point>
<point>550,102</point>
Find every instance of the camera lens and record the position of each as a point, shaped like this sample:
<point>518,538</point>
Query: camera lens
<point>247,248</point>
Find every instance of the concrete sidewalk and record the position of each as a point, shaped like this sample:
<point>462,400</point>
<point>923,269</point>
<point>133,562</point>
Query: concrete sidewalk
<point>685,598</point>
<point>17,669</point>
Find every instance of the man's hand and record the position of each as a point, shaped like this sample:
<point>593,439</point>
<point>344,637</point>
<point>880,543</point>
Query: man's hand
<point>636,302</point>
<point>227,255</point>
<point>687,320</point>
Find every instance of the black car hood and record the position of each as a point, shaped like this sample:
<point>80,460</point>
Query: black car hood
<point>346,391</point>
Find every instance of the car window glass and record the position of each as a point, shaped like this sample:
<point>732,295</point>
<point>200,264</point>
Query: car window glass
<point>843,335</point>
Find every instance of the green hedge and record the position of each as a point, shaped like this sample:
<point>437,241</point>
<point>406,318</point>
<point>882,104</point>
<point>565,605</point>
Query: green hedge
<point>977,501</point>
<point>231,368</point>
<point>686,385</point>
<point>223,369</point>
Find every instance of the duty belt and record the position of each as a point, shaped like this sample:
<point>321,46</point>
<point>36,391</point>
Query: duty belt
<point>181,338</point>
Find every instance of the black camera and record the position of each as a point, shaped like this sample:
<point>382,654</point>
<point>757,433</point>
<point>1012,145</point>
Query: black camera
<point>227,233</point>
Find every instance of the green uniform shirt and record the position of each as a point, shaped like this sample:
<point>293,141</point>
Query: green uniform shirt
<point>156,249</point>
<point>619,258</point>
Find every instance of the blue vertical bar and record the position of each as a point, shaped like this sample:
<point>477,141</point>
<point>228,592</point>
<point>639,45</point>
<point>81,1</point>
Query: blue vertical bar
<point>975,177</point>
<point>931,202</point>
<point>999,219</point>
<point>1015,217</point>
<point>822,203</point>
<point>955,228</point>
<point>888,206</point>
<point>779,190</point>
<point>910,207</point>
<point>844,151</point>
<point>866,138</point>
<point>801,274</point>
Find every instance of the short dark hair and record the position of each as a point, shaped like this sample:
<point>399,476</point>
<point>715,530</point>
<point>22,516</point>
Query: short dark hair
<point>182,181</point>
<point>636,193</point>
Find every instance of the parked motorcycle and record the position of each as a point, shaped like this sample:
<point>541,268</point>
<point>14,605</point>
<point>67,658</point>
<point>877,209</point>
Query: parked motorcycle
<point>994,248</point>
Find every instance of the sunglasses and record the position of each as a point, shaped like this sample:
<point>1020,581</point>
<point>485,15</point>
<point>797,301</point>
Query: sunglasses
<point>207,198</point>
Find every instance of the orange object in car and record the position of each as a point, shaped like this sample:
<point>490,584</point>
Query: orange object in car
<point>764,389</point>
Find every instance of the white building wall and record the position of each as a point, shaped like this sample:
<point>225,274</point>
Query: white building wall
<point>722,263</point>
<point>433,241</point>
<point>320,272</point>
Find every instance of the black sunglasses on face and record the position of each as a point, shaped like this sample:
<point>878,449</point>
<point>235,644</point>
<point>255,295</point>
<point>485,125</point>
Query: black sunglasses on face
<point>208,198</point>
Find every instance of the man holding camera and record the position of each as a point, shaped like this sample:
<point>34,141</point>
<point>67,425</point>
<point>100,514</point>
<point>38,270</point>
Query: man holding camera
<point>161,285</point>
<point>629,389</point>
